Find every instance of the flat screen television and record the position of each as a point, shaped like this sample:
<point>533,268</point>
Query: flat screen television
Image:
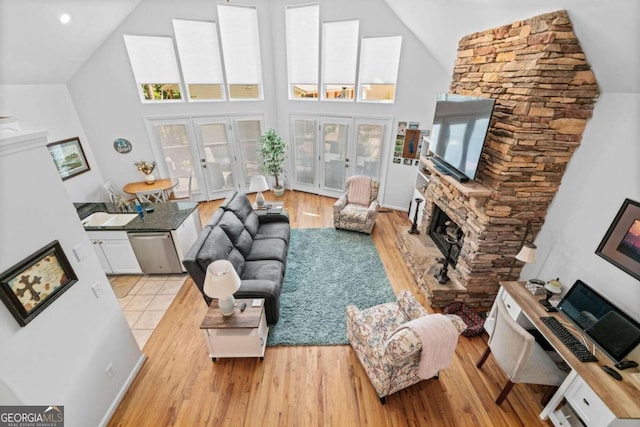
<point>460,125</point>
<point>612,330</point>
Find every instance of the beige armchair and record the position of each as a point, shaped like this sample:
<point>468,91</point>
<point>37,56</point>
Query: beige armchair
<point>349,213</point>
<point>518,354</point>
<point>389,355</point>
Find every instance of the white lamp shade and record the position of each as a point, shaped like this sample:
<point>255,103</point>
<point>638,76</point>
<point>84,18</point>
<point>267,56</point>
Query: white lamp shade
<point>258,183</point>
<point>527,253</point>
<point>221,280</point>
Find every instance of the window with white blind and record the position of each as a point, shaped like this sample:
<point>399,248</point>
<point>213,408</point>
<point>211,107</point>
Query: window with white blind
<point>339,59</point>
<point>303,50</point>
<point>241,51</point>
<point>155,68</point>
<point>199,53</point>
<point>379,61</point>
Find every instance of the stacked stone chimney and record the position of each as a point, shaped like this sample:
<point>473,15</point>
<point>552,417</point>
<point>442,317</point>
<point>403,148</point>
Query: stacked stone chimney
<point>545,91</point>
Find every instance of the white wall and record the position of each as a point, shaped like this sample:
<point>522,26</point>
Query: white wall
<point>59,357</point>
<point>50,107</point>
<point>603,172</point>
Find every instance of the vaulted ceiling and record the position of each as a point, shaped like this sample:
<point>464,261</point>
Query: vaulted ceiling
<point>35,48</point>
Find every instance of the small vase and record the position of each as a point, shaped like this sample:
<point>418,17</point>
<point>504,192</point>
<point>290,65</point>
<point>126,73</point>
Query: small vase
<point>149,179</point>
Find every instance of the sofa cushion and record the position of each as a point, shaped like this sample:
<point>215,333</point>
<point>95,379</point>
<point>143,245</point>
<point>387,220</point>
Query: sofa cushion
<point>263,269</point>
<point>238,235</point>
<point>219,246</point>
<point>215,217</point>
<point>239,204</point>
<point>251,224</point>
<point>271,230</point>
<point>275,249</point>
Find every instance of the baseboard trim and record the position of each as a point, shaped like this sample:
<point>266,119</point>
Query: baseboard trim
<point>125,387</point>
<point>397,208</point>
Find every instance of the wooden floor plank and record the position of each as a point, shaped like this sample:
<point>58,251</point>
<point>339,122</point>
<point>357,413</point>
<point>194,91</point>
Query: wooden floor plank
<point>310,385</point>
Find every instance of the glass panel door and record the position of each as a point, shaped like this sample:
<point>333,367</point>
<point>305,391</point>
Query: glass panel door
<point>369,146</point>
<point>247,132</point>
<point>304,131</point>
<point>173,138</point>
<point>334,160</point>
<point>215,156</point>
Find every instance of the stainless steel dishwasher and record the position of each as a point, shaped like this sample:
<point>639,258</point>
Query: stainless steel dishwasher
<point>156,252</point>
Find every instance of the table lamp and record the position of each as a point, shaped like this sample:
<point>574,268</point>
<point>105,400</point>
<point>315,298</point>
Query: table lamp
<point>222,282</point>
<point>527,252</point>
<point>258,184</point>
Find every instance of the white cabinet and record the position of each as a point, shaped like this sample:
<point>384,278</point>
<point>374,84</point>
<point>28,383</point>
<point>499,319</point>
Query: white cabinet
<point>186,234</point>
<point>114,252</point>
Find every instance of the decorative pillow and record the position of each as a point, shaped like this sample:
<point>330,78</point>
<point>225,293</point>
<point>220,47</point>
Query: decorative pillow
<point>474,323</point>
<point>359,190</point>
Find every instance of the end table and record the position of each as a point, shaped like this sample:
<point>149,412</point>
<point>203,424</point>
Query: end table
<point>243,334</point>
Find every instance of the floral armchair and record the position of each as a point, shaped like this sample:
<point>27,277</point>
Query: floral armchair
<point>356,216</point>
<point>390,359</point>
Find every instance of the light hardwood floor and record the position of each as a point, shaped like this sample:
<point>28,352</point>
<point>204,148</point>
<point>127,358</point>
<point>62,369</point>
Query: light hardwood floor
<point>310,386</point>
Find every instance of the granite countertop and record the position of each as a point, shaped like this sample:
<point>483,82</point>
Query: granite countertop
<point>165,216</point>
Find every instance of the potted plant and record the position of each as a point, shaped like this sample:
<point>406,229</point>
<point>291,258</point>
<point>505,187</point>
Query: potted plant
<point>272,149</point>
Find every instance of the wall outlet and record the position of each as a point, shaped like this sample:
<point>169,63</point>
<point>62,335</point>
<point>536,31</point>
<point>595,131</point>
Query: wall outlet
<point>79,252</point>
<point>97,289</point>
<point>110,372</point>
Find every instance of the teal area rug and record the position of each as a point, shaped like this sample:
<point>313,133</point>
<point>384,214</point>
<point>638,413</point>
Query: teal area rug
<point>327,270</point>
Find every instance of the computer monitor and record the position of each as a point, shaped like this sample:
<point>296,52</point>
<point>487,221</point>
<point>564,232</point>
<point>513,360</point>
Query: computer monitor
<point>611,329</point>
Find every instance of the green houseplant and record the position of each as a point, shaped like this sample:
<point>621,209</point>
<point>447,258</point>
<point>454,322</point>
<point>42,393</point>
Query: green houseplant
<point>272,149</point>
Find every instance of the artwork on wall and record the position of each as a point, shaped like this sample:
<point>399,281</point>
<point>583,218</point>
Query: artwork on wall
<point>621,244</point>
<point>68,157</point>
<point>411,141</point>
<point>122,146</point>
<point>30,286</point>
<point>408,143</point>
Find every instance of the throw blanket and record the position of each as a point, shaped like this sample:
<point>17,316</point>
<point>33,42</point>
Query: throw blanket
<point>439,339</point>
<point>359,190</point>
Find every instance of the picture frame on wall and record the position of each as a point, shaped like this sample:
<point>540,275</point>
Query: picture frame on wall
<point>621,244</point>
<point>34,283</point>
<point>69,157</point>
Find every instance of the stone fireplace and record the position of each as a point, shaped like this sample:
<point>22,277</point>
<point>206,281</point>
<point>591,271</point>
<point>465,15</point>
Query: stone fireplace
<point>545,91</point>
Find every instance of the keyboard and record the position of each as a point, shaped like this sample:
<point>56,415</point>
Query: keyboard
<point>569,340</point>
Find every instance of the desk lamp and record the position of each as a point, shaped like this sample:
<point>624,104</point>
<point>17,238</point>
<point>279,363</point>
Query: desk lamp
<point>527,252</point>
<point>222,282</point>
<point>258,184</point>
<point>552,287</point>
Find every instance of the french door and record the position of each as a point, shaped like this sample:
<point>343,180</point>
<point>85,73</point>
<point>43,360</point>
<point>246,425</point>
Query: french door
<point>220,151</point>
<point>328,150</point>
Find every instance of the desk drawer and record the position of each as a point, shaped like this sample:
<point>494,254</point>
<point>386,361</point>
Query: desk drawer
<point>513,308</point>
<point>588,405</point>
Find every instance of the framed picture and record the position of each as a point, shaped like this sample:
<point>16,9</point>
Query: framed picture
<point>30,286</point>
<point>411,140</point>
<point>621,244</point>
<point>68,157</point>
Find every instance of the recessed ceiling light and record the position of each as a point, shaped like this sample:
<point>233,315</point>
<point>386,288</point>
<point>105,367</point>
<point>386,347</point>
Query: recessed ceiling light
<point>65,18</point>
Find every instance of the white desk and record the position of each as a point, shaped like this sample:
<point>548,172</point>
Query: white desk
<point>596,397</point>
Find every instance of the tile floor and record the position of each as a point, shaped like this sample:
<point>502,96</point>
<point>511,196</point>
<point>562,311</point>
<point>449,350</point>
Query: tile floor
<point>147,302</point>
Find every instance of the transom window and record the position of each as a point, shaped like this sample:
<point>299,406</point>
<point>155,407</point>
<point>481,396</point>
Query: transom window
<point>219,61</point>
<point>343,71</point>
<point>155,67</point>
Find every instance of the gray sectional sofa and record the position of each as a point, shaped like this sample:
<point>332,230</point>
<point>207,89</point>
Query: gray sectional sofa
<point>255,244</point>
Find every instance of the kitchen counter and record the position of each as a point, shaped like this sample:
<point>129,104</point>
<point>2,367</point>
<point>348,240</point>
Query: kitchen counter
<point>165,216</point>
